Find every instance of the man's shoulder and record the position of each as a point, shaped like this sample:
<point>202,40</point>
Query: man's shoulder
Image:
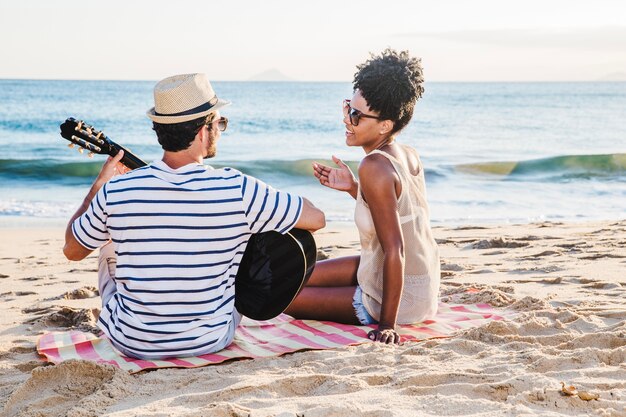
<point>139,173</point>
<point>225,171</point>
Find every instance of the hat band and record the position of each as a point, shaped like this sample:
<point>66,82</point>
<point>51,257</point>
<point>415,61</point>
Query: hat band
<point>201,108</point>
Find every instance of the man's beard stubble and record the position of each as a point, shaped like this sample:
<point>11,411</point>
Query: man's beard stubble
<point>211,150</point>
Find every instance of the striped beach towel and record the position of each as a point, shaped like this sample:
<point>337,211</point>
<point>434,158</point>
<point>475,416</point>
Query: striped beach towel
<point>258,339</point>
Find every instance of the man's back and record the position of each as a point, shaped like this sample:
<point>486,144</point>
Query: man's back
<point>179,236</point>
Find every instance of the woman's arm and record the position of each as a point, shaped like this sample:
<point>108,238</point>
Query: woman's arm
<point>381,188</point>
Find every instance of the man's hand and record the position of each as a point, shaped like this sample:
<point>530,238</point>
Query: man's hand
<point>340,178</point>
<point>111,168</point>
<point>384,335</point>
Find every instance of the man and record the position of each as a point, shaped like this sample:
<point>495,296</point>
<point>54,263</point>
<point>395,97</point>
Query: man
<point>172,233</point>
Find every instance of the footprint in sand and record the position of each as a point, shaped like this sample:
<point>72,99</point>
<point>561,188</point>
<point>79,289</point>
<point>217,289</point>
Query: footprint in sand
<point>451,267</point>
<point>602,255</point>
<point>497,296</point>
<point>569,245</point>
<point>27,367</point>
<point>448,269</point>
<point>71,318</point>
<point>552,281</point>
<point>39,310</point>
<point>548,224</point>
<point>23,293</point>
<point>444,241</point>
<point>603,285</point>
<point>81,293</point>
<point>23,349</point>
<point>495,252</point>
<point>495,243</point>
<point>533,270</point>
<point>549,281</point>
<point>542,254</point>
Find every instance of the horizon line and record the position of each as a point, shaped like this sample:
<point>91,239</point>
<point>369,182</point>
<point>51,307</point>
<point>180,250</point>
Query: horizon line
<point>316,81</point>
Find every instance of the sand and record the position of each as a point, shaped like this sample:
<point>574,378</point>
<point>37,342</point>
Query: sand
<point>566,281</point>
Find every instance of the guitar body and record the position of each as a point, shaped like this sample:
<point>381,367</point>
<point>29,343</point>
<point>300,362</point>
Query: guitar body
<point>274,267</point>
<point>273,270</point>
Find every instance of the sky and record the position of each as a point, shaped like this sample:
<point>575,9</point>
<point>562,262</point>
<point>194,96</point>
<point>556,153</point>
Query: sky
<point>458,40</point>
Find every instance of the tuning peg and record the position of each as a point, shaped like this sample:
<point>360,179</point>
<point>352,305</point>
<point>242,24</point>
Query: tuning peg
<point>70,145</point>
<point>79,125</point>
<point>90,154</point>
<point>80,150</point>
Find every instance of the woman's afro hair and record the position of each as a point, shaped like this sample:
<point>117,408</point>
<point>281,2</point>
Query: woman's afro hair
<point>391,83</point>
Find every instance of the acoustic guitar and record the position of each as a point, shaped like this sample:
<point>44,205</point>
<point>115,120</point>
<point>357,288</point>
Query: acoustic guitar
<point>274,267</point>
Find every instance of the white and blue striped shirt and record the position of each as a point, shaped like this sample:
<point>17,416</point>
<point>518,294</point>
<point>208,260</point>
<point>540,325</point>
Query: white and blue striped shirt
<point>179,236</point>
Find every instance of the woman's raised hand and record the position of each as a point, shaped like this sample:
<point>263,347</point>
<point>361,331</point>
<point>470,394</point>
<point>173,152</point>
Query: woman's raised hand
<point>340,178</point>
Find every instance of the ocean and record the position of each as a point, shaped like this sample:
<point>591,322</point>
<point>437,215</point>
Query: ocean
<point>493,152</point>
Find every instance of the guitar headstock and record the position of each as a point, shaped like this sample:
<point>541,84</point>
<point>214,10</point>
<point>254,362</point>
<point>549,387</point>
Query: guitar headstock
<point>86,137</point>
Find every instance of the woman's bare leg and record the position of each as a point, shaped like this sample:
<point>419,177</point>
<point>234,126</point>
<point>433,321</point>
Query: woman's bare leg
<point>328,293</point>
<point>325,303</point>
<point>340,272</point>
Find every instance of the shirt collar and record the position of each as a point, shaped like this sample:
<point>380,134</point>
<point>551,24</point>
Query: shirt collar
<point>186,168</point>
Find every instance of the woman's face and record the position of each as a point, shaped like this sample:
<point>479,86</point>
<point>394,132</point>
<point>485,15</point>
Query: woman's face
<point>367,131</point>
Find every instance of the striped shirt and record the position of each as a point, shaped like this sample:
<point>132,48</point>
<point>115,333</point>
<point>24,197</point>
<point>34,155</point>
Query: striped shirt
<point>179,236</point>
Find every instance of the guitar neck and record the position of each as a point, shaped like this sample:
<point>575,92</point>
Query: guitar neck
<point>129,159</point>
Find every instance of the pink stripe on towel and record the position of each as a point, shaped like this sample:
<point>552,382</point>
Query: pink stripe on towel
<point>335,338</point>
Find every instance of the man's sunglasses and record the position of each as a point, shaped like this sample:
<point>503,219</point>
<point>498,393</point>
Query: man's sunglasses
<point>354,115</point>
<point>222,124</point>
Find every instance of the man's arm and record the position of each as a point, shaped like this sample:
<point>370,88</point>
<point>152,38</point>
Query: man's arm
<point>73,250</point>
<point>311,218</point>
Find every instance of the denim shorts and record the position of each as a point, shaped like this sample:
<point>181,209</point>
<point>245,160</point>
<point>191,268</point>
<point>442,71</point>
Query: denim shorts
<point>361,312</point>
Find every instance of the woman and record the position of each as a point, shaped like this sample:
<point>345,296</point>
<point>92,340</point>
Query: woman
<point>395,280</point>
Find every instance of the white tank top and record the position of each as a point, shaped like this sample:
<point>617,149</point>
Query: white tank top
<point>420,293</point>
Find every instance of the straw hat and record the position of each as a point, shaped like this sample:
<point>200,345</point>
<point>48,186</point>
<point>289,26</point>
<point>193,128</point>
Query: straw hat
<point>182,98</point>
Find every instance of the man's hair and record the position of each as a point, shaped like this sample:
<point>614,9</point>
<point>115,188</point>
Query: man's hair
<point>176,137</point>
<point>391,84</point>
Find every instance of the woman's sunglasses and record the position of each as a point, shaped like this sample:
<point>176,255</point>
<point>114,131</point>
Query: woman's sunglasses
<point>222,124</point>
<point>354,115</point>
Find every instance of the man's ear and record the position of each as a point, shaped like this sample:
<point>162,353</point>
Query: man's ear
<point>202,133</point>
